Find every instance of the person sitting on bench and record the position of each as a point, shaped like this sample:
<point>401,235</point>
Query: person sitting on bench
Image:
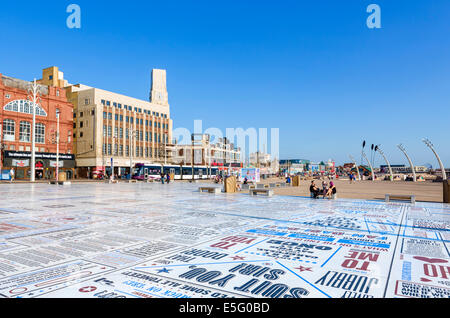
<point>332,190</point>
<point>314,190</point>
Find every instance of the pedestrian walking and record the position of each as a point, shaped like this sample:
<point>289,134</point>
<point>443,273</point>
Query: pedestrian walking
<point>168,178</point>
<point>11,174</point>
<point>162,178</point>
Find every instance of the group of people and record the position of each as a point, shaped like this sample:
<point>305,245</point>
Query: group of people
<point>327,191</point>
<point>165,178</point>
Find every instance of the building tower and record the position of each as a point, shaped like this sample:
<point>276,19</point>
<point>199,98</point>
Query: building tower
<point>158,93</point>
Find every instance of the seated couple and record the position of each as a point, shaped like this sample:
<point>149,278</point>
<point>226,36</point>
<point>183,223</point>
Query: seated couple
<point>315,191</point>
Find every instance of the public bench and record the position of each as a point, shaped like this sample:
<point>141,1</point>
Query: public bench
<point>214,190</point>
<point>267,192</point>
<point>407,197</point>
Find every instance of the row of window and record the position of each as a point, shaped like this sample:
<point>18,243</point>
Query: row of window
<point>118,133</point>
<point>130,120</point>
<point>9,131</point>
<point>130,108</point>
<point>119,151</point>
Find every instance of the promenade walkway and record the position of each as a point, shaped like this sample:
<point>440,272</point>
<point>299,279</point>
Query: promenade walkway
<point>153,240</point>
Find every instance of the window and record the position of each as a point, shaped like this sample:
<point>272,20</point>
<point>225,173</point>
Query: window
<point>93,112</point>
<point>81,114</point>
<point>40,133</point>
<point>127,133</point>
<point>142,121</point>
<point>50,77</point>
<point>104,131</point>
<point>104,149</point>
<point>25,131</point>
<point>81,124</point>
<point>121,133</point>
<point>103,102</point>
<point>127,119</point>
<point>115,104</point>
<point>119,106</point>
<point>110,116</point>
<point>104,115</point>
<point>127,150</point>
<point>81,134</point>
<point>109,131</point>
<point>108,103</point>
<point>87,101</point>
<point>141,135</point>
<point>120,150</point>
<point>115,150</point>
<point>7,96</point>
<point>131,120</point>
<point>24,106</point>
<point>146,136</point>
<point>116,132</point>
<point>9,128</point>
<point>74,125</point>
<point>121,117</point>
<point>116,117</point>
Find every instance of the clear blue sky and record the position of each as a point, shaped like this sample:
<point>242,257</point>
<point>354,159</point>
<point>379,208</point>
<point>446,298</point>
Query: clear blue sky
<point>311,68</point>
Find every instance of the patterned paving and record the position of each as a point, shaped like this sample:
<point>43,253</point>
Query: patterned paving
<point>153,240</point>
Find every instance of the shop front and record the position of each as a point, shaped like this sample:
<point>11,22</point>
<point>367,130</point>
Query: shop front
<point>45,164</point>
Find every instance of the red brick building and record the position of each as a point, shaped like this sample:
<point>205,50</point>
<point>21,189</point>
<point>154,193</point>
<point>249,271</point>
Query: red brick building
<point>16,122</point>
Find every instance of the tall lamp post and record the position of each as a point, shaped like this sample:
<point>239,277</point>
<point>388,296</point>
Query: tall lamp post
<point>402,149</point>
<point>430,145</point>
<point>35,92</point>
<point>57,145</point>
<point>387,162</point>
<point>132,137</point>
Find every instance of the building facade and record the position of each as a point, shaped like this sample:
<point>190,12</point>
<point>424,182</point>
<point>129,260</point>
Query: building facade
<point>222,154</point>
<point>16,109</point>
<point>112,131</point>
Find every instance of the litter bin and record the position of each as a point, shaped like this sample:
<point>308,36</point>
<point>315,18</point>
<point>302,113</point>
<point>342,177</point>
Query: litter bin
<point>446,191</point>
<point>296,181</point>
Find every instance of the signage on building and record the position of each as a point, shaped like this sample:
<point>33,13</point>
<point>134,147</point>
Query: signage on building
<point>39,165</point>
<point>20,163</point>
<point>38,155</point>
<point>53,164</point>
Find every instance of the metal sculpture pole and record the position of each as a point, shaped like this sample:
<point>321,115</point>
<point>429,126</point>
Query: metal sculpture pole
<point>430,145</point>
<point>356,166</point>
<point>370,165</point>
<point>402,149</point>
<point>385,159</point>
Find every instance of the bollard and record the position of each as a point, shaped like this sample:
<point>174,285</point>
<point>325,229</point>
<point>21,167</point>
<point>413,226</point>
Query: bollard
<point>446,191</point>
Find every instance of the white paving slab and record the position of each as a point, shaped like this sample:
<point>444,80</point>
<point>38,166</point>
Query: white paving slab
<point>154,240</point>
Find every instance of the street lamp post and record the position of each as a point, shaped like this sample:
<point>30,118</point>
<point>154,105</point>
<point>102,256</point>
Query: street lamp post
<point>430,145</point>
<point>402,149</point>
<point>34,90</point>
<point>387,162</point>
<point>57,145</point>
<point>132,136</point>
